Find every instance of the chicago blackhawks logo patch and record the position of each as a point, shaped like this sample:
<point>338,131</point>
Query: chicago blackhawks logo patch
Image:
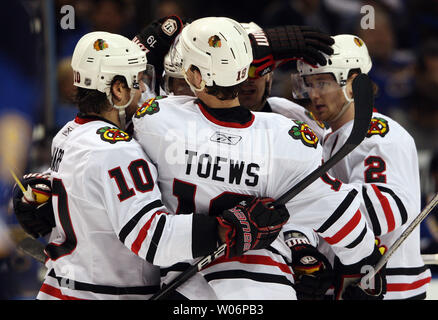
<point>378,126</point>
<point>100,44</point>
<point>303,132</point>
<point>151,106</point>
<point>214,42</point>
<point>113,135</point>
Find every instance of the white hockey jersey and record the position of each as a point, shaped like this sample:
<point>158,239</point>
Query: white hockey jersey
<point>103,191</point>
<point>207,164</point>
<point>294,111</point>
<point>384,167</point>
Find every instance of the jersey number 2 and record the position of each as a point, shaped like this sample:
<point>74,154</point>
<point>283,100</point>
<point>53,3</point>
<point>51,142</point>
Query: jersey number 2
<point>376,168</point>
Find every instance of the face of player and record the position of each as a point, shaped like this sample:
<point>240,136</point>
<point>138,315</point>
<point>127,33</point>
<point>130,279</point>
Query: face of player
<point>252,91</point>
<point>326,96</point>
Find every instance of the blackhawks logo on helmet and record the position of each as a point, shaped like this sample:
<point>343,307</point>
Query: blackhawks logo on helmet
<point>303,132</point>
<point>100,44</point>
<point>113,134</point>
<point>151,106</point>
<point>214,41</point>
<point>378,126</point>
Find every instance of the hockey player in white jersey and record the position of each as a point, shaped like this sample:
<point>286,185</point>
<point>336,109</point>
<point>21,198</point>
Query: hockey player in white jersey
<point>212,153</point>
<point>109,217</point>
<point>384,167</point>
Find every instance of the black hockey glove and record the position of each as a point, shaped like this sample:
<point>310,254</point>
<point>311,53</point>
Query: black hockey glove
<point>313,272</point>
<point>275,46</point>
<point>35,217</point>
<point>351,282</point>
<point>252,225</point>
<point>156,39</point>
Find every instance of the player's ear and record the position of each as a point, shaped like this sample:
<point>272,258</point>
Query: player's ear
<point>194,76</point>
<point>118,89</point>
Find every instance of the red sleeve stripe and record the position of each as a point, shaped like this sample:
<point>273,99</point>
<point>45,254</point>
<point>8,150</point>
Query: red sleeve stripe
<point>55,292</point>
<point>386,208</point>
<point>407,286</point>
<point>136,245</point>
<point>346,229</point>
<point>254,259</point>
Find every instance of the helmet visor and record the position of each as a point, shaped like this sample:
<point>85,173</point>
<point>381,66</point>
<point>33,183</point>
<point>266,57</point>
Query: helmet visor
<point>304,87</point>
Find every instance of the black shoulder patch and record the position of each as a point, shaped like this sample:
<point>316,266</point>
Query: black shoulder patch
<point>149,107</point>
<point>378,126</point>
<point>113,134</point>
<point>302,131</point>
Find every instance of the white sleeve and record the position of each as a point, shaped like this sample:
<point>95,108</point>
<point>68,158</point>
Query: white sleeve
<point>328,206</point>
<point>127,184</point>
<point>385,202</point>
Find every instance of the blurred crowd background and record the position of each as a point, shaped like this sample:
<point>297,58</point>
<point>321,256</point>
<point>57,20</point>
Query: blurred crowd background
<point>36,82</point>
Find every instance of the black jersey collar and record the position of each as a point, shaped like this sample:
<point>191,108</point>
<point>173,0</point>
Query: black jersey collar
<point>234,117</point>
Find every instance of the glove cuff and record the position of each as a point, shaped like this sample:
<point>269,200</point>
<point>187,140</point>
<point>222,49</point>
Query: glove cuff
<point>205,237</point>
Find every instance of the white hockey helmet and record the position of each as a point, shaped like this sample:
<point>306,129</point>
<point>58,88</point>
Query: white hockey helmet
<point>350,52</point>
<point>219,47</point>
<point>99,56</point>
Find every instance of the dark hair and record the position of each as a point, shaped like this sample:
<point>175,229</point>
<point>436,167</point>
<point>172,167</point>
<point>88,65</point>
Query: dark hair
<point>94,101</point>
<point>222,93</point>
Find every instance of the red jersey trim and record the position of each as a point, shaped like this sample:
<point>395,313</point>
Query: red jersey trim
<point>253,259</point>
<point>136,245</point>
<point>55,292</point>
<point>386,208</point>
<point>225,123</point>
<point>407,286</point>
<point>83,120</point>
<point>346,229</point>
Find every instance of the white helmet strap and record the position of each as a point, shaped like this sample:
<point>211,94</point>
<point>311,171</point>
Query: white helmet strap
<point>121,109</point>
<point>346,104</point>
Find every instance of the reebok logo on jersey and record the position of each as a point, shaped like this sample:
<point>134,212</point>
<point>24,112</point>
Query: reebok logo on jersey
<point>303,132</point>
<point>151,106</point>
<point>378,126</point>
<point>225,138</point>
<point>113,135</point>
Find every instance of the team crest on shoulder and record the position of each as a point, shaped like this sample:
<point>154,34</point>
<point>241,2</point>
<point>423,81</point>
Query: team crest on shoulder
<point>378,126</point>
<point>151,106</point>
<point>312,117</point>
<point>113,134</point>
<point>302,131</point>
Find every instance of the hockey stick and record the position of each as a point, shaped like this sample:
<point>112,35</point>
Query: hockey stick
<point>364,102</point>
<point>364,280</point>
<point>33,248</point>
